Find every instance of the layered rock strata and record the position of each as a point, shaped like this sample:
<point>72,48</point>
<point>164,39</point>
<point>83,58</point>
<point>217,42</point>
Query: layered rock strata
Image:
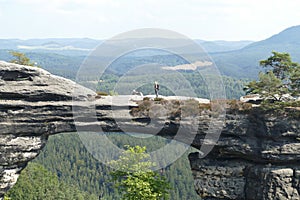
<point>256,157</point>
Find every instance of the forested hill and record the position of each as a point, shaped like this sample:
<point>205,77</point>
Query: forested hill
<point>244,63</point>
<point>66,157</point>
<point>67,66</point>
<point>237,61</point>
<point>234,59</point>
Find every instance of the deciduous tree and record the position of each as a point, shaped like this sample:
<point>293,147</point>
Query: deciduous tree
<point>135,179</point>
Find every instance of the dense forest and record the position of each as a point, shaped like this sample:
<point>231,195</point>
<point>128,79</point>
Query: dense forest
<point>65,167</point>
<point>36,182</point>
<point>110,84</point>
<point>67,66</point>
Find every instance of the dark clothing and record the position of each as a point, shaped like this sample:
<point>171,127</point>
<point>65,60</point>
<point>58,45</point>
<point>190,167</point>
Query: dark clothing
<point>156,88</point>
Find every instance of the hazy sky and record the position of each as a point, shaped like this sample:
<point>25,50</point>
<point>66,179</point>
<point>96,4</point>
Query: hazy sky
<point>101,19</point>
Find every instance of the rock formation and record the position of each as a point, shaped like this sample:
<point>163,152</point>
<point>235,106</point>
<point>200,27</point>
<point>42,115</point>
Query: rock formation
<point>33,105</point>
<point>256,157</point>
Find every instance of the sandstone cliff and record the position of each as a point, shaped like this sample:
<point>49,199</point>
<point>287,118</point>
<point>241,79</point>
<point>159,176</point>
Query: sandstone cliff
<point>256,157</point>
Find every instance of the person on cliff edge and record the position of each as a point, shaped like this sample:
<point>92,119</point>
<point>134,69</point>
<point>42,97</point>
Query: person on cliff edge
<point>156,88</point>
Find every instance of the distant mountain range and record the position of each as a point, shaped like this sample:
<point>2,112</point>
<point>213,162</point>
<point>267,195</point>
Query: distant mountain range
<point>69,46</point>
<point>85,43</point>
<point>234,58</point>
<point>244,62</point>
<point>64,46</point>
<point>222,45</point>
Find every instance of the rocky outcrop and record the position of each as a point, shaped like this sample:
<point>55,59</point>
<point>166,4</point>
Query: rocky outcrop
<point>256,157</point>
<point>33,105</point>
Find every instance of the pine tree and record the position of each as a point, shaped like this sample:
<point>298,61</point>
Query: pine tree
<point>21,59</point>
<point>282,78</point>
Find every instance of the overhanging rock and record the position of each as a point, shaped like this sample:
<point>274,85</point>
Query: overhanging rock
<point>256,157</point>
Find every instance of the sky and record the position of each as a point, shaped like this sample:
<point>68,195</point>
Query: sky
<point>102,19</point>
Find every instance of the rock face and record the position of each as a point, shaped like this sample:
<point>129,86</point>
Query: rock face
<point>33,105</point>
<point>256,157</point>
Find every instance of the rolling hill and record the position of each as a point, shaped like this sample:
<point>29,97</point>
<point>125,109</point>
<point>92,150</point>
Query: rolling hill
<point>235,59</point>
<point>243,63</point>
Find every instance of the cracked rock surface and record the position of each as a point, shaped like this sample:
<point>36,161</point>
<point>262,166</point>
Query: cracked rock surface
<point>256,157</point>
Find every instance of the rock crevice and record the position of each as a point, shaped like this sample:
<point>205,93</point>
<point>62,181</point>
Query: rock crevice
<point>256,157</point>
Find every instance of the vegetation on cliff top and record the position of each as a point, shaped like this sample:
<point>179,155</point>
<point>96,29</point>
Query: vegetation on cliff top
<point>21,59</point>
<point>281,81</point>
<point>177,109</point>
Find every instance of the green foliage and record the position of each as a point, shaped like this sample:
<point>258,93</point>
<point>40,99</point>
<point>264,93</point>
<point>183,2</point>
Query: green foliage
<point>268,87</point>
<point>233,87</point>
<point>113,93</point>
<point>35,182</point>
<point>66,156</point>
<point>281,79</point>
<point>290,108</point>
<point>134,178</point>
<point>21,59</point>
<point>280,64</point>
<point>67,66</point>
<point>295,80</point>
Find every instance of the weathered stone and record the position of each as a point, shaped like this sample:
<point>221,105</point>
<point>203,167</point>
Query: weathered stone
<point>219,179</point>
<point>256,157</point>
<point>272,183</point>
